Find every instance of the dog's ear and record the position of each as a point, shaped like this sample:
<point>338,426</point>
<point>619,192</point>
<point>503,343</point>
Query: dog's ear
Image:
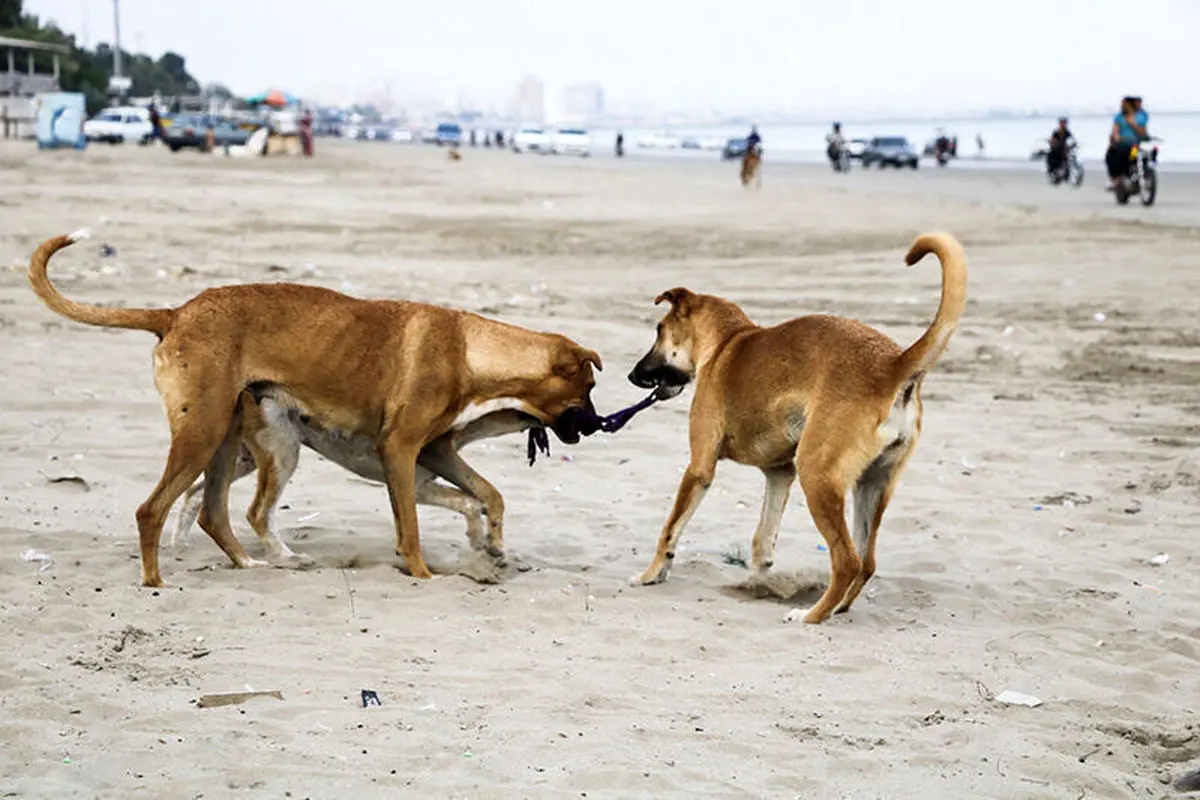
<point>590,357</point>
<point>679,298</point>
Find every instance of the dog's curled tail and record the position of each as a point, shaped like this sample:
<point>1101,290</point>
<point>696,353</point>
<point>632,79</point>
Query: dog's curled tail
<point>918,358</point>
<point>155,320</point>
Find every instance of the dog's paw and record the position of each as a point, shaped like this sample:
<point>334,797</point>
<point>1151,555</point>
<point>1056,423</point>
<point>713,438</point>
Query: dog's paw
<point>650,577</point>
<point>253,563</point>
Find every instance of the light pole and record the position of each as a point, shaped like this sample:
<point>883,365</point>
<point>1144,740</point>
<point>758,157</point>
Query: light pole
<point>117,38</point>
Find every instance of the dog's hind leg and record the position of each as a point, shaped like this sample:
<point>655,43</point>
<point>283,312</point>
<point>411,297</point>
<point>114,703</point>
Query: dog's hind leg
<point>823,458</point>
<point>200,417</point>
<point>276,449</point>
<point>214,512</point>
<point>193,498</point>
<point>779,486</point>
<point>872,492</point>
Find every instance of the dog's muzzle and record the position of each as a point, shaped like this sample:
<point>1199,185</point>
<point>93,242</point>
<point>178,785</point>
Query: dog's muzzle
<point>653,373</point>
<point>575,423</point>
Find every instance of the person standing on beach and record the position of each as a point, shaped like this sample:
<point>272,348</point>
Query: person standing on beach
<point>979,143</point>
<point>306,132</point>
<point>156,131</point>
<point>620,144</point>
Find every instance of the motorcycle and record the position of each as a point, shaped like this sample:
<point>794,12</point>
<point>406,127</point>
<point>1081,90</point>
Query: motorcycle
<point>1142,177</point>
<point>941,151</point>
<point>1070,171</point>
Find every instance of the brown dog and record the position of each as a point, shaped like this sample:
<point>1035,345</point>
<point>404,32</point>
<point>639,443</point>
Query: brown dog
<point>272,435</point>
<point>401,374</point>
<point>752,168</point>
<point>825,398</point>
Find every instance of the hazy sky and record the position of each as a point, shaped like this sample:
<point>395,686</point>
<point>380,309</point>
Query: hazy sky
<point>779,54</point>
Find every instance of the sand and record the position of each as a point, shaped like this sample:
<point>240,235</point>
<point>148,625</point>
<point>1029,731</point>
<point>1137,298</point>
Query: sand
<point>1059,456</point>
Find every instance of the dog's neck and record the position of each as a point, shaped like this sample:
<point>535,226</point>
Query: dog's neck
<point>502,359</point>
<point>721,321</point>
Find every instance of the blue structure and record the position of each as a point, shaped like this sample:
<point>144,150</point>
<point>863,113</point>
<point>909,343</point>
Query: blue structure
<point>60,117</point>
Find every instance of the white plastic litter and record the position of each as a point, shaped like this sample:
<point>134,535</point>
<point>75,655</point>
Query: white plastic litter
<point>38,557</point>
<point>1009,697</point>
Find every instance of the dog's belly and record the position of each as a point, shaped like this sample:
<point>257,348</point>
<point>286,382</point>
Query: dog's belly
<point>765,440</point>
<point>355,453</point>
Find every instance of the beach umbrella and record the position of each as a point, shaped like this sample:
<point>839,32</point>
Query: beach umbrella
<point>273,97</point>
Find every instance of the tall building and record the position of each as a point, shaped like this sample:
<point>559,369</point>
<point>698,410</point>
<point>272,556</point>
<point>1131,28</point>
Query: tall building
<point>529,102</point>
<point>584,101</point>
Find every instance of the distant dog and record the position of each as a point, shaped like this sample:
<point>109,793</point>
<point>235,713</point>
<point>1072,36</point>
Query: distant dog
<point>825,398</point>
<point>400,375</point>
<point>272,435</point>
<point>752,168</point>
<point>455,155</point>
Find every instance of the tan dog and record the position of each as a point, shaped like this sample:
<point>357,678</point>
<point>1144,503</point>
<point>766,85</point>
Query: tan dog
<point>455,155</point>
<point>400,374</point>
<point>752,168</point>
<point>272,435</point>
<point>825,398</point>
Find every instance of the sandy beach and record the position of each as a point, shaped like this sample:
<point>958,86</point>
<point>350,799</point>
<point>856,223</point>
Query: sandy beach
<point>1059,458</point>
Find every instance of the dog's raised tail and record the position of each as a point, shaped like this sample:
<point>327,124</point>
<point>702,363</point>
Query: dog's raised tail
<point>925,351</point>
<point>155,320</point>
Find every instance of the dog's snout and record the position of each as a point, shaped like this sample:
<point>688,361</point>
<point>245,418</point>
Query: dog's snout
<point>644,374</point>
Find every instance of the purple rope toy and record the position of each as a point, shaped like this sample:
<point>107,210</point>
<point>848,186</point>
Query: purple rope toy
<point>588,423</point>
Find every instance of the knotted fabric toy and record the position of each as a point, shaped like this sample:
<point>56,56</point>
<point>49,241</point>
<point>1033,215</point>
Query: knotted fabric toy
<point>587,423</point>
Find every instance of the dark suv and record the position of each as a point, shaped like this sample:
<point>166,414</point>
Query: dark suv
<point>890,150</point>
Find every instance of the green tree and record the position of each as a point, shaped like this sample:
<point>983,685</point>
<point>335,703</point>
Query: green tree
<point>10,14</point>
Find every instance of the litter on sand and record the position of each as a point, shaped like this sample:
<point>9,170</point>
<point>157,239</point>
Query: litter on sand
<point>370,698</point>
<point>1009,697</point>
<point>1160,560</point>
<point>233,698</point>
<point>38,557</point>
<point>68,477</point>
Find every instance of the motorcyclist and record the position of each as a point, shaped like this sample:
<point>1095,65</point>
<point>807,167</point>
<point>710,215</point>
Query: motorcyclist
<point>1129,128</point>
<point>835,142</point>
<point>1060,139</point>
<point>753,141</point>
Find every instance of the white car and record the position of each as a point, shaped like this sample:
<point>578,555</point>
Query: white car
<point>531,138</point>
<point>121,124</point>
<point>571,142</point>
<point>668,141</point>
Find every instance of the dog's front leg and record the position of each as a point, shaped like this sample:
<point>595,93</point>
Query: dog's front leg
<point>399,456</point>
<point>442,458</point>
<point>779,486</point>
<point>696,480</point>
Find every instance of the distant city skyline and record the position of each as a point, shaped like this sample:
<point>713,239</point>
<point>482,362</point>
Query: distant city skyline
<point>701,58</point>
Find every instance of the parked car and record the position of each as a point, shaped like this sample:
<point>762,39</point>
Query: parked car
<point>890,150</point>
<point>448,133</point>
<point>668,141</point>
<point>856,147</point>
<point>531,138</point>
<point>734,148</point>
<point>190,130</point>
<point>117,125</point>
<point>571,142</point>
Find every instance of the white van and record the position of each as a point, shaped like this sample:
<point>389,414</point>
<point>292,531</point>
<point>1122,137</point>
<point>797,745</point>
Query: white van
<point>119,124</point>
